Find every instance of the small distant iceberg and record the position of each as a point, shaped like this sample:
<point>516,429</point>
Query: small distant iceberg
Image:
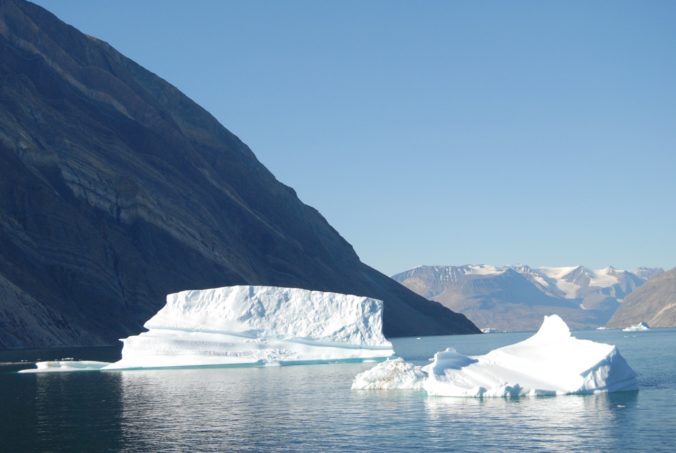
<point>250,326</point>
<point>551,362</point>
<point>488,330</point>
<point>640,327</point>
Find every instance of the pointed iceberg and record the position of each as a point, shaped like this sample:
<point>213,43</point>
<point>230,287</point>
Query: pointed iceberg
<point>551,362</point>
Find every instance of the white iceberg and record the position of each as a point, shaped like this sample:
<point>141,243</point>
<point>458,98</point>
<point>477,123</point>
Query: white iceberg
<point>551,362</point>
<point>59,366</point>
<point>389,375</point>
<point>640,327</point>
<point>254,326</point>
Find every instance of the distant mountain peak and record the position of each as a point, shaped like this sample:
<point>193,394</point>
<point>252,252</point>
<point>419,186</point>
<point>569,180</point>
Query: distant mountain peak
<point>648,272</point>
<point>484,291</point>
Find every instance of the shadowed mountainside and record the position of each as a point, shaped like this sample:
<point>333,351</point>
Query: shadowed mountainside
<point>117,189</point>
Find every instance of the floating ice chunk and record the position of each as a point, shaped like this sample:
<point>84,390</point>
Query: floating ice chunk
<point>391,374</point>
<point>251,326</point>
<point>551,362</point>
<point>640,327</point>
<point>258,326</point>
<point>60,366</point>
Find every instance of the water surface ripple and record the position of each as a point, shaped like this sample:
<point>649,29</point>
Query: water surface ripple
<point>311,408</point>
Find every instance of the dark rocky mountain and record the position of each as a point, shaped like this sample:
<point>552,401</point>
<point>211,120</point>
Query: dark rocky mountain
<point>116,189</point>
<point>654,303</point>
<point>517,297</point>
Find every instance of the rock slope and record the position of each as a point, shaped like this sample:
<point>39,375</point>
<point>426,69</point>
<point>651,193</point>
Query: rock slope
<point>116,189</point>
<point>653,303</point>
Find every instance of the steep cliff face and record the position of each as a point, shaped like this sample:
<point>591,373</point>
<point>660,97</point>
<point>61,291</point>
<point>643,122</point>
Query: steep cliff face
<point>654,303</point>
<point>117,189</point>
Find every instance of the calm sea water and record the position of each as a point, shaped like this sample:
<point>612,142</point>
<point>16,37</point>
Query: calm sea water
<point>311,408</point>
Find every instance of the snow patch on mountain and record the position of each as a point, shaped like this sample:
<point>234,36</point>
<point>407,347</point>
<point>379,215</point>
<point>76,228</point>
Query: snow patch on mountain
<point>516,297</point>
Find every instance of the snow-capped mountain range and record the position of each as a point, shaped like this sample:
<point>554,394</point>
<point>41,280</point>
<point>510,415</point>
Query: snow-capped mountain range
<point>516,297</point>
<point>579,282</point>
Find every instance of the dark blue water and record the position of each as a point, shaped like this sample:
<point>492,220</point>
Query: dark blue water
<point>311,408</point>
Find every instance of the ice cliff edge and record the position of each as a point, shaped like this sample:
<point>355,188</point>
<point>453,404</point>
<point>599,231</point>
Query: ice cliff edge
<point>253,326</point>
<point>258,325</point>
<point>273,312</point>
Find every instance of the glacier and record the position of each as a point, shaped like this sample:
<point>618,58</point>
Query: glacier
<point>551,362</point>
<point>251,326</point>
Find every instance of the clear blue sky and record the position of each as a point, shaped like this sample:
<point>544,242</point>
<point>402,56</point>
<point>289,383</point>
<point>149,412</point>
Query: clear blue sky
<point>439,132</point>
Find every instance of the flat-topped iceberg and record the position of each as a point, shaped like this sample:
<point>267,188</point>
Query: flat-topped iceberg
<point>253,326</point>
<point>551,362</point>
<point>258,325</point>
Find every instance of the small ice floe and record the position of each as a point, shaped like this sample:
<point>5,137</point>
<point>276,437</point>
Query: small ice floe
<point>389,375</point>
<point>66,365</point>
<point>640,327</point>
<point>551,362</point>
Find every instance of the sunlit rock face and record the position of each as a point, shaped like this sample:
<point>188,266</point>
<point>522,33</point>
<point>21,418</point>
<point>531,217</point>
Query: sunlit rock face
<point>654,304</point>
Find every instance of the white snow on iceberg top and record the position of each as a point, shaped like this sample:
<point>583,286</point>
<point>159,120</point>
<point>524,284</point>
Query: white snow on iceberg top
<point>272,312</point>
<point>258,325</point>
<point>640,327</point>
<point>551,362</point>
